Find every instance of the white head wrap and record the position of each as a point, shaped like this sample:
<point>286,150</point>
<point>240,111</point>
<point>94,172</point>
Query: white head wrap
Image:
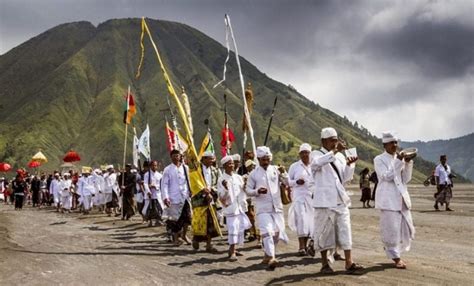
<point>110,167</point>
<point>388,136</point>
<point>226,159</point>
<point>305,147</point>
<point>236,157</point>
<point>328,132</point>
<point>263,151</point>
<point>208,154</point>
<point>249,163</point>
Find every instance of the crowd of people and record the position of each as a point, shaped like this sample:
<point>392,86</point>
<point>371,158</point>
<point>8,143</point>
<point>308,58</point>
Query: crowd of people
<point>246,197</point>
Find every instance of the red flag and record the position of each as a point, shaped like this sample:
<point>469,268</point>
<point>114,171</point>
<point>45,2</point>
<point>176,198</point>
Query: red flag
<point>227,139</point>
<point>130,109</point>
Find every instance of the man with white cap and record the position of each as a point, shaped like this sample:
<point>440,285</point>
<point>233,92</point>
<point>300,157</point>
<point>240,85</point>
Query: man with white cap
<point>176,197</point>
<point>203,201</point>
<point>99,185</point>
<point>332,222</point>
<point>264,184</point>
<point>55,190</point>
<point>237,161</point>
<point>300,214</point>
<point>110,190</point>
<point>85,188</point>
<point>66,196</point>
<point>394,171</point>
<point>253,232</point>
<point>153,207</point>
<point>230,188</point>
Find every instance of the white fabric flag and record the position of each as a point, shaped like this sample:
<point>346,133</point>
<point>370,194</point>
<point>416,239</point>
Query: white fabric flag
<point>144,143</point>
<point>135,150</point>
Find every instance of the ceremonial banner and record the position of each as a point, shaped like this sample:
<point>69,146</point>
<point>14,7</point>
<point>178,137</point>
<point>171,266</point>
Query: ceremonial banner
<point>206,145</point>
<point>196,180</point>
<point>144,143</point>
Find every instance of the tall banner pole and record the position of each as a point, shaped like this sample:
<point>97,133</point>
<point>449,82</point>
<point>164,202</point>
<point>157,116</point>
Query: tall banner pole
<point>125,150</point>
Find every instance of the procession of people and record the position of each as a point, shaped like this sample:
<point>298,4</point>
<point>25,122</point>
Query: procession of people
<point>246,200</point>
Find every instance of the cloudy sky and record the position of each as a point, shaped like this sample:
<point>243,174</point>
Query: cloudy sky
<point>406,65</point>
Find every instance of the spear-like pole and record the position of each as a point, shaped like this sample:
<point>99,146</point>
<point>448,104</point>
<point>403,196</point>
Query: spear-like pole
<point>270,122</point>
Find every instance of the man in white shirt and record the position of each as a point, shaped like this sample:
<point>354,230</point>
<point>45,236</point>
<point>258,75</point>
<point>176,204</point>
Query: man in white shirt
<point>110,190</point>
<point>230,189</point>
<point>55,190</point>
<point>203,201</point>
<point>85,188</point>
<point>176,196</point>
<point>394,171</point>
<point>99,185</point>
<point>153,208</point>
<point>444,184</point>
<point>332,222</point>
<point>264,184</point>
<point>66,196</point>
<point>301,214</point>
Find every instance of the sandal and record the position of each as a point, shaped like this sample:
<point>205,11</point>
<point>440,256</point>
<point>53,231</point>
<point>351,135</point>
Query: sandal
<point>326,269</point>
<point>211,249</point>
<point>338,257</point>
<point>273,263</point>
<point>310,248</point>
<point>302,252</point>
<point>400,265</point>
<point>355,269</point>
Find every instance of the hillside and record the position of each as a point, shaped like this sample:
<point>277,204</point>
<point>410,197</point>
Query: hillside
<point>64,89</point>
<point>459,151</point>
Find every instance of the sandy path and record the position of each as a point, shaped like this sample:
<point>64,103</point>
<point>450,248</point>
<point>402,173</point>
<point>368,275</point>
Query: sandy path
<point>41,247</point>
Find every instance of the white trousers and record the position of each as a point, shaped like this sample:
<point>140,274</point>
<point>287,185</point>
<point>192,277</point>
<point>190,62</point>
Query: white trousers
<point>301,217</point>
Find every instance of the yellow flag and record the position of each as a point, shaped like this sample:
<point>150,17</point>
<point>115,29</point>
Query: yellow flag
<point>196,179</point>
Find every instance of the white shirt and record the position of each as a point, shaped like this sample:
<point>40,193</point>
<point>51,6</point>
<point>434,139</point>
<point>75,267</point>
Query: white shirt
<point>269,179</point>
<point>207,172</point>
<point>85,186</point>
<point>329,189</point>
<point>111,184</point>
<point>234,198</point>
<point>151,182</point>
<point>393,175</point>
<point>299,170</point>
<point>174,184</point>
<point>55,187</point>
<point>443,174</point>
<point>65,187</point>
<point>99,183</point>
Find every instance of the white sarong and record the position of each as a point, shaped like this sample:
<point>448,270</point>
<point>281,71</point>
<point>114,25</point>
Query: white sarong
<point>397,231</point>
<point>86,202</point>
<point>332,228</point>
<point>66,202</point>
<point>301,217</point>
<point>236,226</point>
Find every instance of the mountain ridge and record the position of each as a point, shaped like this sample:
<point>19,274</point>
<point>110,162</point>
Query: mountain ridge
<point>75,99</point>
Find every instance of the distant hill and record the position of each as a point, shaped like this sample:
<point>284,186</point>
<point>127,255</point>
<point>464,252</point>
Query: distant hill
<point>460,152</point>
<point>64,89</point>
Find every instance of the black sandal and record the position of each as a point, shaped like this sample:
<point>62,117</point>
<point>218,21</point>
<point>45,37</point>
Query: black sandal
<point>310,248</point>
<point>355,269</point>
<point>326,269</point>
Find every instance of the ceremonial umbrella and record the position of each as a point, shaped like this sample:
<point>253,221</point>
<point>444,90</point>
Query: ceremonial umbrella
<point>71,156</point>
<point>5,167</point>
<point>39,157</point>
<point>34,164</point>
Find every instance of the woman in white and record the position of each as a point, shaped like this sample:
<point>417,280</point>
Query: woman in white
<point>301,214</point>
<point>230,189</point>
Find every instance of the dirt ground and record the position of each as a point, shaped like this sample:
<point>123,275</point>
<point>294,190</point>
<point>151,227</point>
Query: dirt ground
<point>42,247</point>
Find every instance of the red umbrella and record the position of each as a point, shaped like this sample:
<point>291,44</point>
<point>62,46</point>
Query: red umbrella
<point>5,167</point>
<point>34,164</point>
<point>71,156</point>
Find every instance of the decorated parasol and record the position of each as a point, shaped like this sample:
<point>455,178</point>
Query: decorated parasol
<point>5,167</point>
<point>71,156</point>
<point>34,164</point>
<point>39,157</point>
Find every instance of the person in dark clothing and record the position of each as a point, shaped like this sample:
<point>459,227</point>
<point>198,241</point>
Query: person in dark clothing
<point>128,182</point>
<point>364,184</point>
<point>373,178</point>
<point>19,188</point>
<point>35,189</point>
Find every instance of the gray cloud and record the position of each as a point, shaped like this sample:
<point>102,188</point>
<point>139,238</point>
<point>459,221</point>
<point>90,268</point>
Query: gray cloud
<point>370,60</point>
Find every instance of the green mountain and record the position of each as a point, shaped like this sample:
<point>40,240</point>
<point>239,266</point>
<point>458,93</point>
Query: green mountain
<point>64,89</point>
<point>459,151</point>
